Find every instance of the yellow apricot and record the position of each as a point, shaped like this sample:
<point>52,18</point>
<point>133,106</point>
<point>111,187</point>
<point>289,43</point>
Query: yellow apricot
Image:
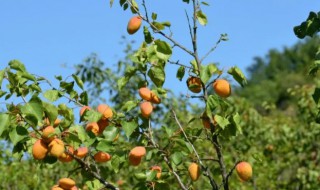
<point>93,127</point>
<point>81,152</point>
<point>194,171</point>
<point>244,171</point>
<point>83,109</point>
<point>56,187</point>
<point>48,134</point>
<point>134,24</point>
<point>66,183</point>
<point>194,84</point>
<point>146,109</point>
<point>105,110</point>
<point>136,154</point>
<point>39,149</point>
<point>66,157</point>
<point>145,93</point>
<point>102,157</point>
<point>158,169</point>
<point>56,147</point>
<point>222,88</point>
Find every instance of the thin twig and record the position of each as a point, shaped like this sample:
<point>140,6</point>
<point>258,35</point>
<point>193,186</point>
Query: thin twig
<point>206,171</point>
<point>165,157</point>
<point>87,168</point>
<point>221,162</point>
<point>177,63</point>
<point>212,49</point>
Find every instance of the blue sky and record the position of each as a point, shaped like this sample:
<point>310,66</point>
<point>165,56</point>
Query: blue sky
<point>46,34</point>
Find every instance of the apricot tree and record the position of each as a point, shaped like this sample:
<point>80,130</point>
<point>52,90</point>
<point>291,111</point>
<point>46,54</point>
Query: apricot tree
<point>41,120</point>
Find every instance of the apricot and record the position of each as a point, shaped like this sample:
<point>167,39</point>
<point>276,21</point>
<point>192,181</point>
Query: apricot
<point>81,152</point>
<point>158,169</point>
<point>146,94</point>
<point>93,127</point>
<point>244,171</point>
<point>134,24</point>
<point>146,109</point>
<point>66,157</point>
<point>102,124</point>
<point>55,123</point>
<point>194,84</point>
<point>39,149</point>
<point>83,109</point>
<point>206,121</point>
<point>105,110</point>
<point>136,154</point>
<point>56,187</point>
<point>194,171</point>
<point>66,183</point>
<point>56,147</point>
<point>102,157</point>
<point>48,134</point>
<point>222,88</point>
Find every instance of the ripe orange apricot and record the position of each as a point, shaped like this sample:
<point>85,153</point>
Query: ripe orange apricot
<point>194,84</point>
<point>56,147</point>
<point>194,171</point>
<point>81,152</point>
<point>56,187</point>
<point>83,109</point>
<point>46,122</point>
<point>66,183</point>
<point>222,88</point>
<point>66,157</point>
<point>105,110</point>
<point>134,24</point>
<point>102,124</point>
<point>136,154</point>
<point>158,169</point>
<point>93,127</point>
<point>48,134</point>
<point>146,109</point>
<point>206,121</point>
<point>244,171</point>
<point>146,94</point>
<point>102,157</point>
<point>39,149</point>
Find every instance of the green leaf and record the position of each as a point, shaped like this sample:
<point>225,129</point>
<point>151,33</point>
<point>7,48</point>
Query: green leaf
<point>1,76</point>
<point>163,50</point>
<point>84,99</point>
<point>111,3</point>
<point>4,122</point>
<point>129,127</point>
<point>309,27</point>
<point>110,133</point>
<point>129,105</point>
<point>202,18</point>
<point>315,65</point>
<point>205,3</point>
<point>212,103</point>
<point>151,175</point>
<point>31,119</point>
<point>17,65</point>
<point>78,81</point>
<point>154,16</point>
<point>316,95</point>
<point>180,73</point>
<point>147,35</point>
<point>130,71</point>
<point>157,26</point>
<point>92,116</point>
<point>194,66</point>
<point>33,107</point>
<point>207,71</point>
<point>238,75</point>
<point>169,130</point>
<point>105,146</point>
<point>67,113</point>
<point>28,76</point>
<point>222,122</point>
<point>140,176</point>
<point>157,75</point>
<point>15,137</point>
<point>134,7</point>
<point>51,95</point>
<point>186,1</point>
<point>235,120</point>
<point>177,158</point>
<point>67,86</point>
<point>51,112</point>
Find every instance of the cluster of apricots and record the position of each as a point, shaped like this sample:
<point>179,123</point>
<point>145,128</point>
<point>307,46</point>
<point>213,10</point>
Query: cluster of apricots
<point>65,184</point>
<point>149,97</point>
<point>221,86</point>
<point>97,128</point>
<point>134,24</point>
